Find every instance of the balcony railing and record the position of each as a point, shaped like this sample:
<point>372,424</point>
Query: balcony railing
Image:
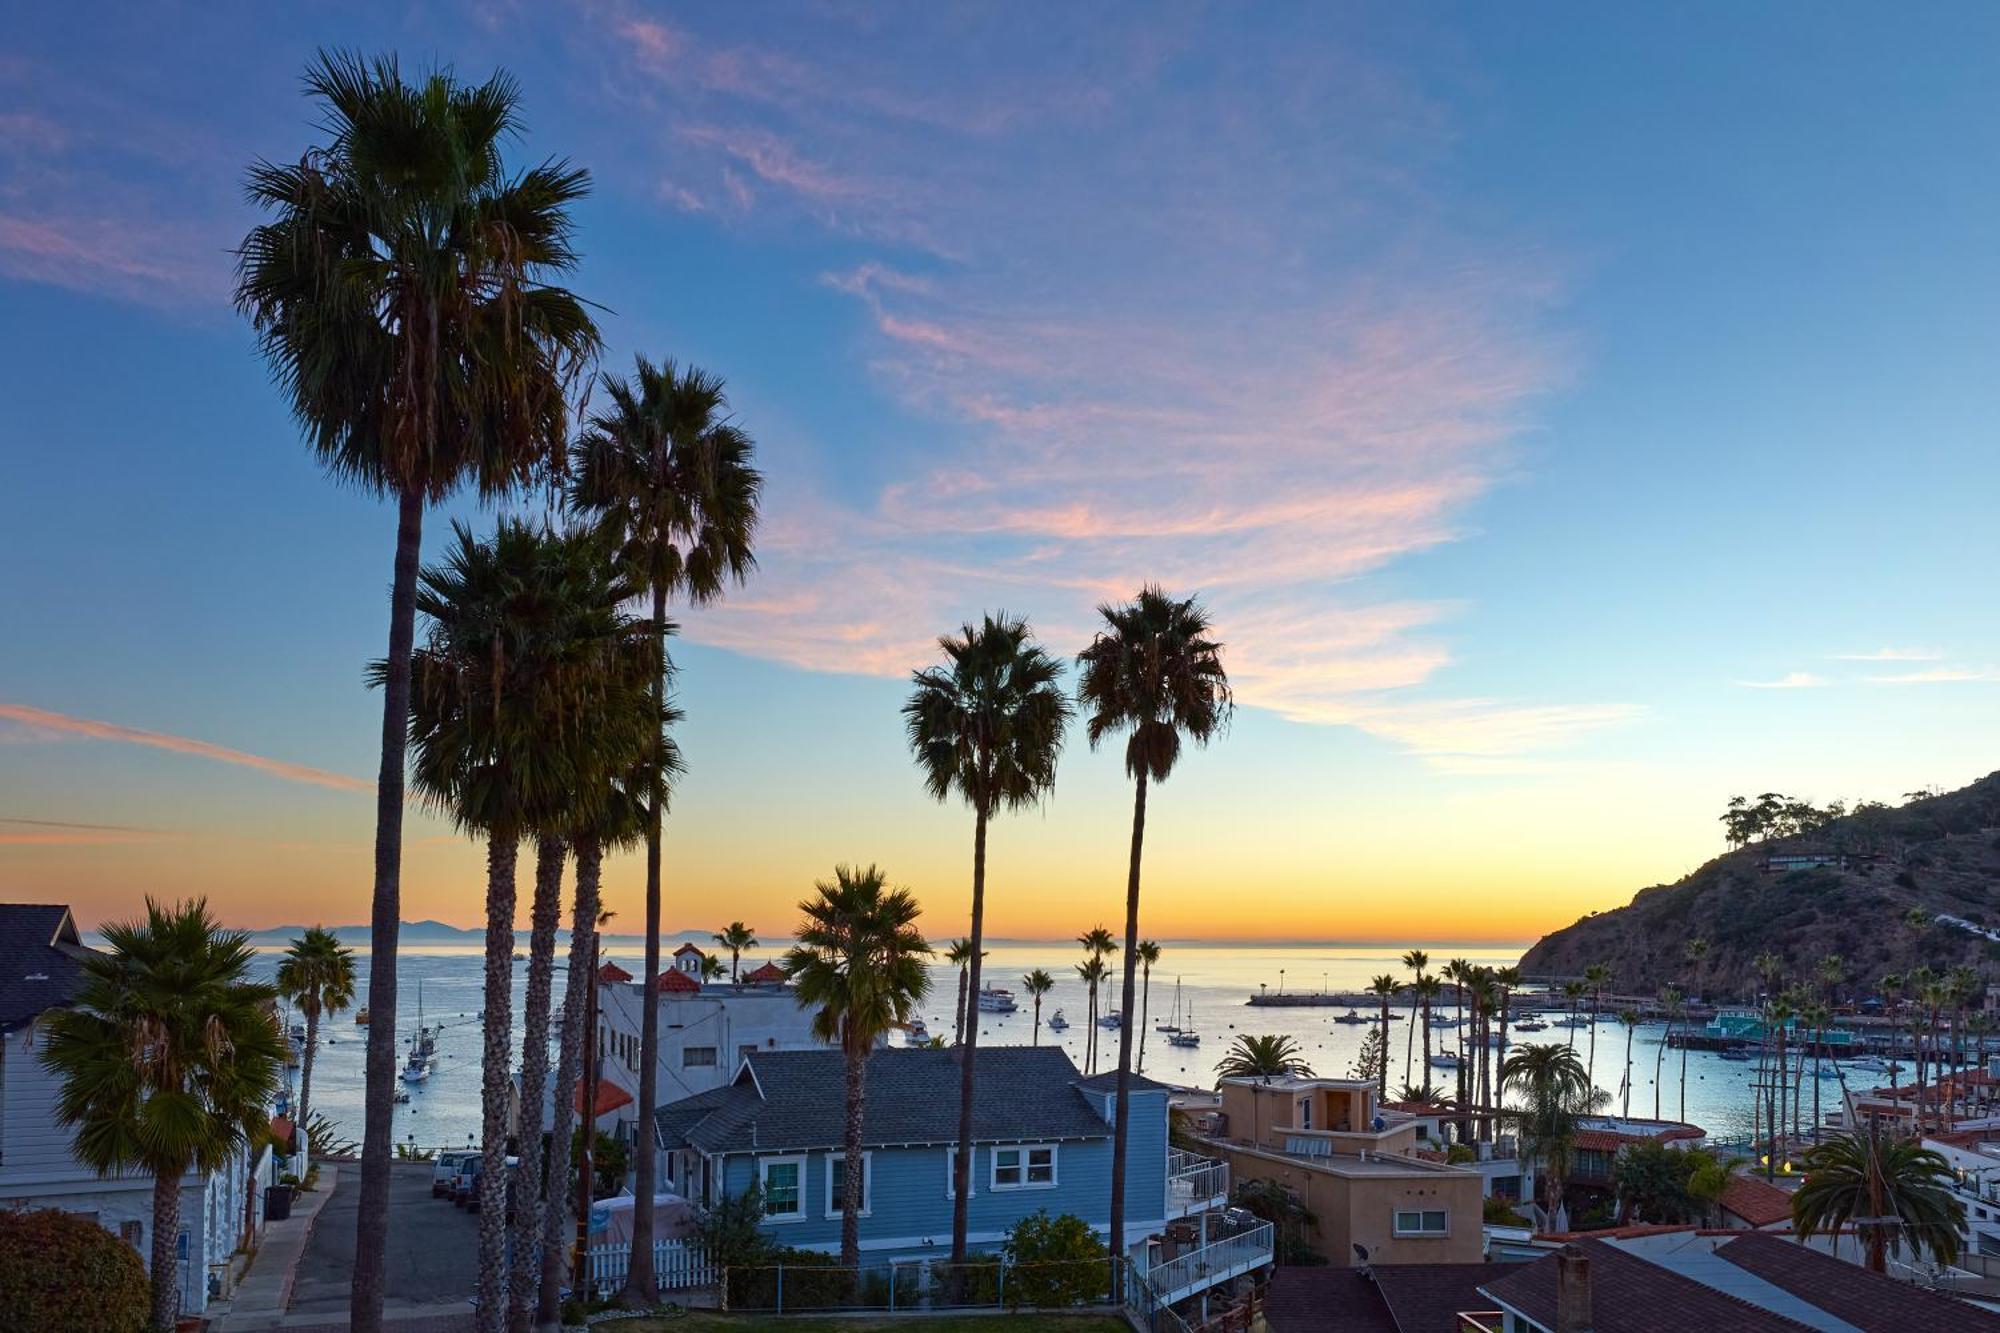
<point>1194,1182</point>
<point>1232,1244</point>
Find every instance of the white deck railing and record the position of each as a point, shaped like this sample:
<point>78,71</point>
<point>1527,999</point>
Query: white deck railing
<point>1194,1182</point>
<point>676,1266</point>
<point>1218,1261</point>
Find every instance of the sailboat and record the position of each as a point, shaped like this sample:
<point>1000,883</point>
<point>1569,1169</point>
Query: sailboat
<point>422,1046</point>
<point>1173,1023</point>
<point>1186,1036</point>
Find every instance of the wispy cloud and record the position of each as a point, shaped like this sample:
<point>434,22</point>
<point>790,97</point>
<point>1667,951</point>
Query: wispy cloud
<point>41,719</point>
<point>1938,676</point>
<point>1892,655</point>
<point>1791,680</point>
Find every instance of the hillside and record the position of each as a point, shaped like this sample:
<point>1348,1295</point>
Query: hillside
<point>1941,853</point>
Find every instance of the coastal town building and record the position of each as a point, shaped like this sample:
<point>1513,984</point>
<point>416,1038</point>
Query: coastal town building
<point>41,955</point>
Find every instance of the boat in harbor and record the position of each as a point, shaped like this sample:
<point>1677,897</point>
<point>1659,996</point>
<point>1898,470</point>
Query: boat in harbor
<point>1187,1036</point>
<point>1444,1060</point>
<point>423,1046</point>
<point>1112,1020</point>
<point>1351,1016</point>
<point>919,1035</point>
<point>1736,1054</point>
<point>1531,1026</point>
<point>1057,1023</point>
<point>995,1000</point>
<point>361,1016</point>
<point>1173,1023</point>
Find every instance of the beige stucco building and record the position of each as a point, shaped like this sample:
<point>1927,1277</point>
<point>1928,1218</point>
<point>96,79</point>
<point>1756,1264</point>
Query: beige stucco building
<point>1354,1167</point>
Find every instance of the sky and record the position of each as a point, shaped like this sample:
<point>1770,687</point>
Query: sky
<point>1571,416</point>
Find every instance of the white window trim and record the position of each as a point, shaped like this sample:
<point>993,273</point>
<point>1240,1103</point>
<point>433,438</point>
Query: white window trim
<point>993,1166</point>
<point>951,1174</point>
<point>837,1161</point>
<point>1420,1231</point>
<point>764,1165</point>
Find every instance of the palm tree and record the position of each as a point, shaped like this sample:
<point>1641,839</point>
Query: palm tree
<point>712,968</point>
<point>1595,978</point>
<point>959,955</point>
<point>1670,1001</point>
<point>1555,1091</point>
<point>1149,954</point>
<point>403,294</point>
<point>1816,1015</point>
<point>1263,1057</point>
<point>1416,960</point>
<point>1573,992</point>
<point>317,975</point>
<point>1037,984</point>
<point>1155,672</point>
<point>530,679</point>
<point>860,964</point>
<point>987,724</point>
<point>1456,972</point>
<point>1890,1190</point>
<point>1384,988</point>
<point>1093,973</point>
<point>669,471</point>
<point>736,937</point>
<point>169,1057</point>
<point>1629,1018</point>
<point>1695,951</point>
<point>1506,979</point>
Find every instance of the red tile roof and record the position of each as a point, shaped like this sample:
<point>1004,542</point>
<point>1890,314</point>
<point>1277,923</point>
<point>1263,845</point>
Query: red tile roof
<point>612,973</point>
<point>1755,1200</point>
<point>609,1097</point>
<point>768,972</point>
<point>281,1131</point>
<point>673,979</point>
<point>690,948</point>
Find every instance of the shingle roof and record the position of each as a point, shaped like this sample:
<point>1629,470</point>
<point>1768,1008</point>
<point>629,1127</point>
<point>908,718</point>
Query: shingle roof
<point>1630,1295</point>
<point>1108,1082</point>
<point>792,1100</point>
<point>1427,1298</point>
<point>1395,1298</point>
<point>40,965</point>
<point>1849,1291</point>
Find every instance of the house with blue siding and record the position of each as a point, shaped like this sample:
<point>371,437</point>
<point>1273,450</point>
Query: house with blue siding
<point>1042,1137</point>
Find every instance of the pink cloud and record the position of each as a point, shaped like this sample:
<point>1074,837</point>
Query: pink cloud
<point>157,264</point>
<point>40,719</point>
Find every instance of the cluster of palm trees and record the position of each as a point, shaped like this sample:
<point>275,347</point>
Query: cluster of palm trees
<point>988,723</point>
<point>1481,996</point>
<point>1937,1010</point>
<point>406,292</point>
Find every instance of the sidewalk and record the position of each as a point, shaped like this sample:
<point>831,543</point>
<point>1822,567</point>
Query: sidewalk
<point>265,1291</point>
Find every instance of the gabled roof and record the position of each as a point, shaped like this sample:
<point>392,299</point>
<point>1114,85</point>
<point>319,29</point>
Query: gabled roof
<point>1391,1298</point>
<point>1108,1082</point>
<point>1848,1291</point>
<point>692,948</point>
<point>785,1101</point>
<point>40,960</point>
<point>768,972</point>
<point>612,974</point>
<point>1755,1200</point>
<point>673,979</point>
<point>1630,1295</point>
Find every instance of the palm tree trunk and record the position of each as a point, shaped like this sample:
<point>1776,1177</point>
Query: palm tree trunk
<point>1145,1011</point>
<point>1631,1029</point>
<point>304,1107</point>
<point>967,1052</point>
<point>165,1263</point>
<point>850,1202</point>
<point>576,998</point>
<point>1036,1040</point>
<point>640,1288</point>
<point>1686,1032</point>
<point>1659,1063</point>
<point>538,1169</point>
<point>378,1114</point>
<point>1427,1041</point>
<point>1382,1074</point>
<point>1410,1037</point>
<point>501,851</point>
<point>1122,1117</point>
<point>958,1014</point>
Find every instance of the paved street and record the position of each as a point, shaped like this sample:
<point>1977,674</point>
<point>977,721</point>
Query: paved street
<point>433,1250</point>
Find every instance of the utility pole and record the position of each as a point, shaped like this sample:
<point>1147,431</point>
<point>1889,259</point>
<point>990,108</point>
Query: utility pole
<point>579,1268</point>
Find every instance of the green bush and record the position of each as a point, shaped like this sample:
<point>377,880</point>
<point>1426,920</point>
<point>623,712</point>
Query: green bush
<point>62,1274</point>
<point>1057,1262</point>
<point>811,1280</point>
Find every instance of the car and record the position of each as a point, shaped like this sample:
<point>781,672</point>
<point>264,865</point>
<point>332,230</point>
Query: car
<point>465,1185</point>
<point>445,1172</point>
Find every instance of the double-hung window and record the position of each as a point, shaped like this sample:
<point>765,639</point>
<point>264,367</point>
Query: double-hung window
<point>783,1183</point>
<point>697,1057</point>
<point>1424,1222</point>
<point>836,1182</point>
<point>1028,1167</point>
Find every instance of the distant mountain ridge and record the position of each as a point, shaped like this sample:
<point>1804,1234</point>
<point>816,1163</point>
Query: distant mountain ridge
<point>1940,853</point>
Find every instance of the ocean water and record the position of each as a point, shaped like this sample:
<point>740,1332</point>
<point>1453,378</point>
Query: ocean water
<point>1215,981</point>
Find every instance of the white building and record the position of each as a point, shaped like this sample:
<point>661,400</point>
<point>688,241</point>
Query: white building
<point>39,972</point>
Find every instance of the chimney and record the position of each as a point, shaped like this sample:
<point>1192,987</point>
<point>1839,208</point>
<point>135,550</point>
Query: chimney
<point>1573,1291</point>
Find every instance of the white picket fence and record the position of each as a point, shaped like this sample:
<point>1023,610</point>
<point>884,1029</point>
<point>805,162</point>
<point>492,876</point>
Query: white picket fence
<point>676,1266</point>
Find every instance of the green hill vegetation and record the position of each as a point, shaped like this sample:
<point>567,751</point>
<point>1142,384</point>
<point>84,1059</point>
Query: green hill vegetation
<point>1887,888</point>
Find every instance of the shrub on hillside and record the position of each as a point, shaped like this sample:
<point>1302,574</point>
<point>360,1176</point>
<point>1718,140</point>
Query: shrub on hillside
<point>60,1273</point>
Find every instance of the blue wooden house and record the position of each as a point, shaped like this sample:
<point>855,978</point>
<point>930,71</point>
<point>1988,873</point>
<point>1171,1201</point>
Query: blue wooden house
<point>1041,1134</point>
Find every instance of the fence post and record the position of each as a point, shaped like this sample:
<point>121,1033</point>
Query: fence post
<point>781,1288</point>
<point>1000,1287</point>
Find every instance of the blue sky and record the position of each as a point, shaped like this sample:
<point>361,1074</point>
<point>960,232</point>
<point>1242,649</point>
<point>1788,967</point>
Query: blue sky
<point>1525,392</point>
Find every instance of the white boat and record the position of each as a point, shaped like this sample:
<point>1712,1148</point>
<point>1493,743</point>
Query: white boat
<point>1114,1019</point>
<point>1444,1060</point>
<point>416,1071</point>
<point>1351,1016</point>
<point>1530,1027</point>
<point>919,1034</point>
<point>1057,1023</point>
<point>1187,1036</point>
<point>1173,1023</point>
<point>1872,1062</point>
<point>994,1000</point>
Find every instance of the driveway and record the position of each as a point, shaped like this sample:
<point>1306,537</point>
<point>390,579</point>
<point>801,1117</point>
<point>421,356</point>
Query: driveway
<point>433,1248</point>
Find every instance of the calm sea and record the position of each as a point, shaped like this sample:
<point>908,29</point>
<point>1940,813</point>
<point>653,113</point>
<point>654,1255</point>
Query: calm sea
<point>1214,983</point>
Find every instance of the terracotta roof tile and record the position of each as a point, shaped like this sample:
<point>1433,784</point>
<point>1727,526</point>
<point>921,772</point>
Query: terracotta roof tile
<point>1755,1200</point>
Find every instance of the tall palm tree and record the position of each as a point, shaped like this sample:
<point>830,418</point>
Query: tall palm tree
<point>672,474</point>
<point>1093,972</point>
<point>529,676</point>
<point>1037,984</point>
<point>1416,960</point>
<point>1573,992</point>
<point>404,294</point>
<point>736,937</point>
<point>860,965</point>
<point>1263,1057</point>
<point>988,725</point>
<point>317,975</point>
<point>1455,971</point>
<point>1154,671</point>
<point>1555,1091</point>
<point>1428,990</point>
<point>1670,1002</point>
<point>1891,1191</point>
<point>169,1057</point>
<point>959,955</point>
<point>1384,988</point>
<point>1629,1020</point>
<point>1595,978</point>
<point>1149,954</point>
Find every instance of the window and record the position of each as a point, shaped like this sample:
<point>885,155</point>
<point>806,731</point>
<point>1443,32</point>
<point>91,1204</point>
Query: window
<point>1024,1168</point>
<point>1429,1222</point>
<point>951,1174</point>
<point>782,1180</point>
<point>697,1057</point>
<point>836,1182</point>
<point>1305,1112</point>
<point>132,1233</point>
